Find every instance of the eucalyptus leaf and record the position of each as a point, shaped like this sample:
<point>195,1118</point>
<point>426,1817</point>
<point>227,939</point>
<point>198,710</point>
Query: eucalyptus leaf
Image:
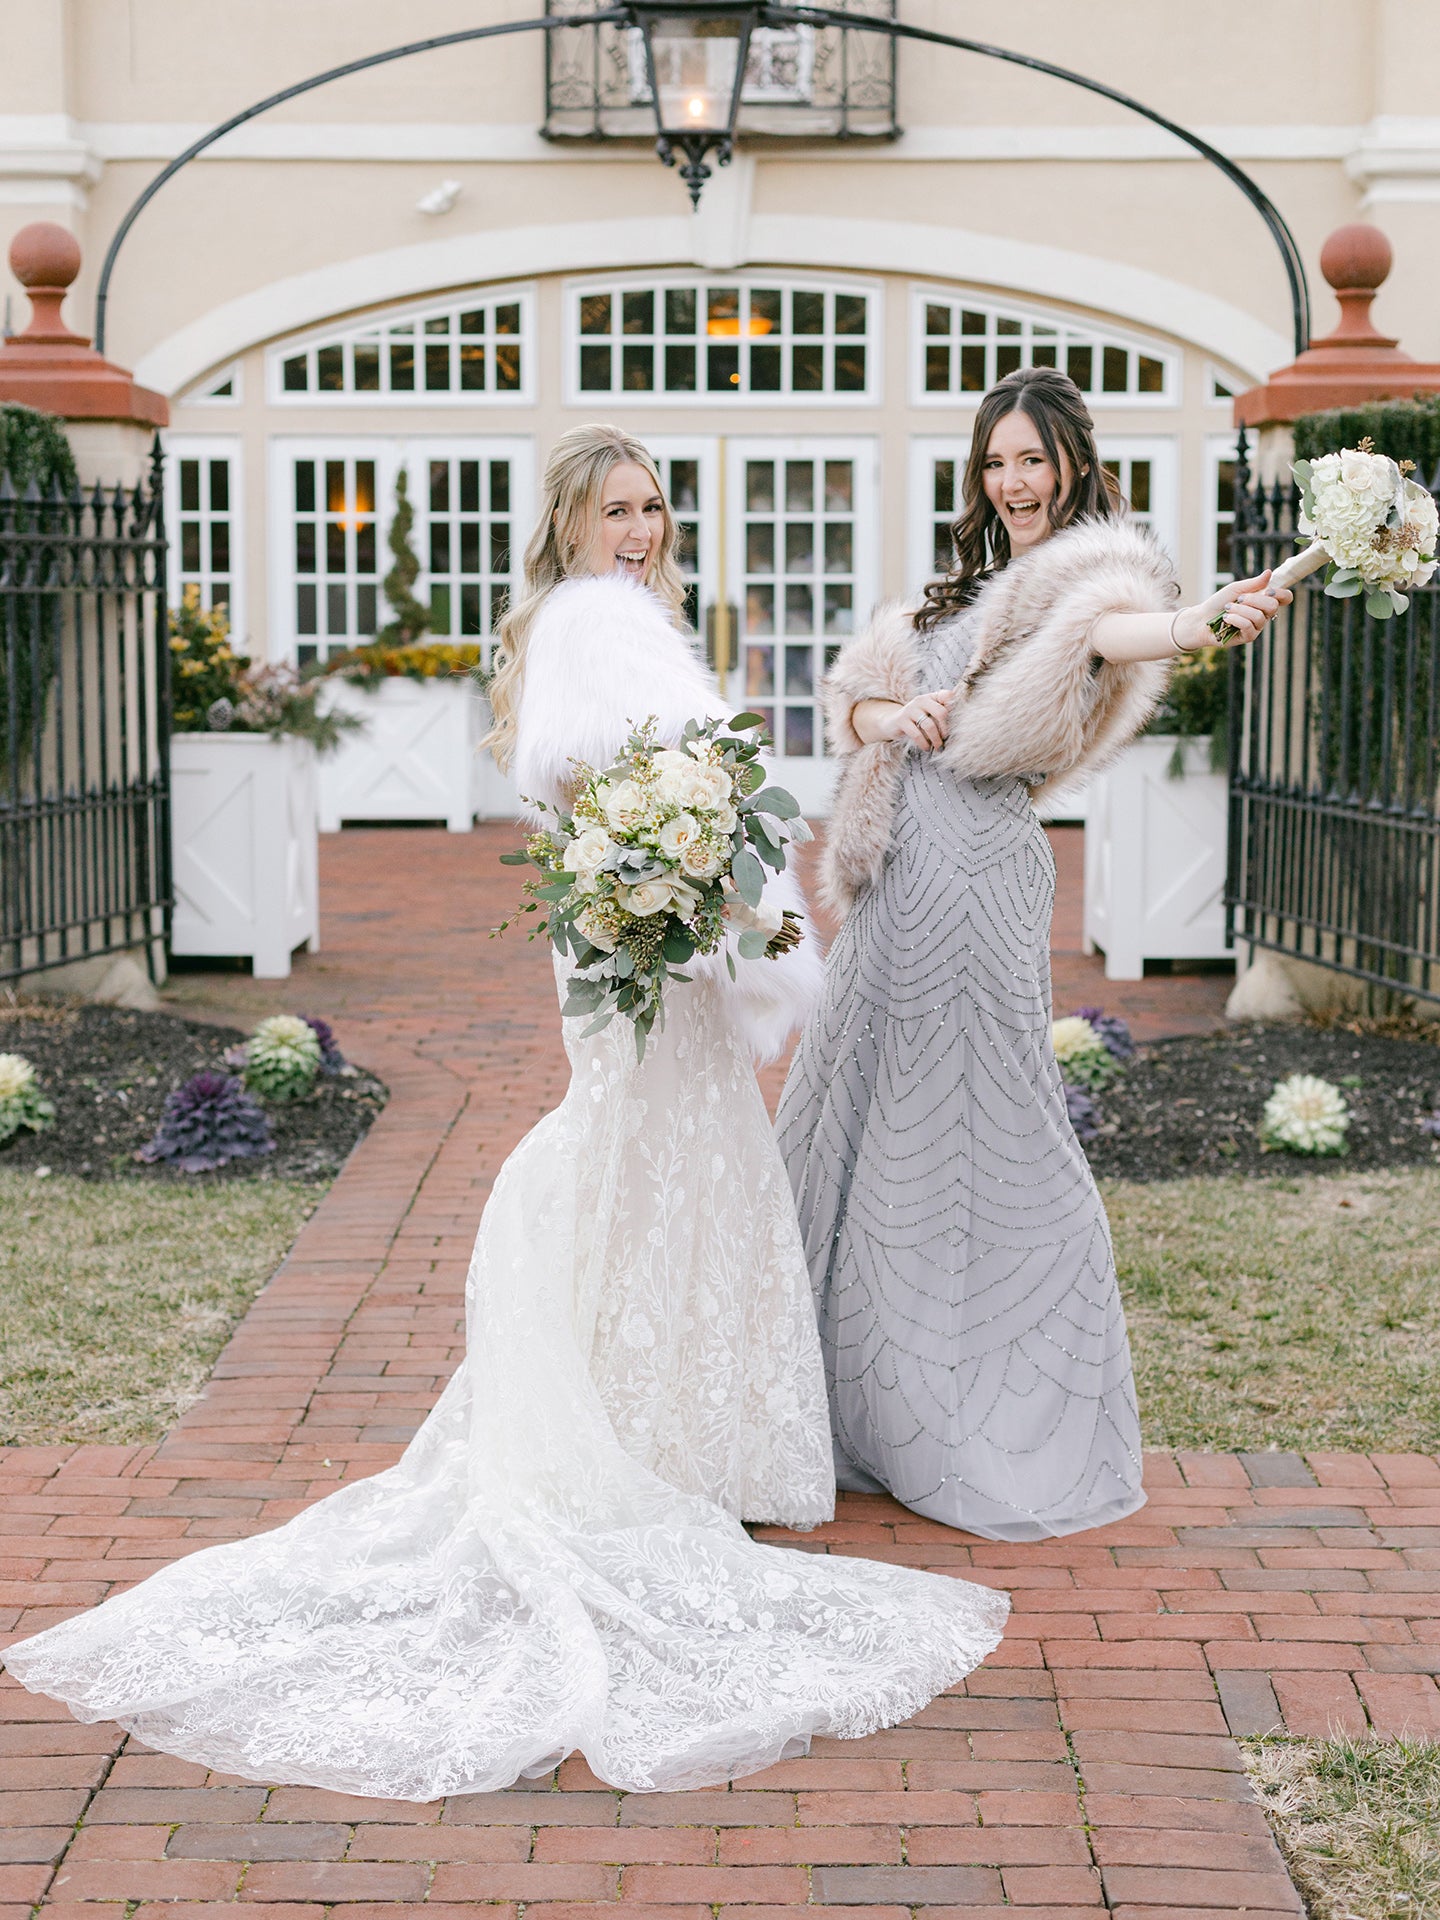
<point>599,1024</point>
<point>773,856</point>
<point>749,877</point>
<point>1344,590</point>
<point>1379,605</point>
<point>743,722</point>
<point>776,801</point>
<point>516,860</point>
<point>678,945</point>
<point>752,943</point>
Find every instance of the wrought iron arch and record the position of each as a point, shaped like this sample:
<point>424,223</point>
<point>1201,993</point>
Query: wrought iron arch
<point>765,13</point>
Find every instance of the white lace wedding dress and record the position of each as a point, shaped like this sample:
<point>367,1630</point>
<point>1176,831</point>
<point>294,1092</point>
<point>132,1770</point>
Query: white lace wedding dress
<point>557,1563</point>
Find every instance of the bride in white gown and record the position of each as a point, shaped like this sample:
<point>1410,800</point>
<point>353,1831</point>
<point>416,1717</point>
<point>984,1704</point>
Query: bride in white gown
<point>557,1563</point>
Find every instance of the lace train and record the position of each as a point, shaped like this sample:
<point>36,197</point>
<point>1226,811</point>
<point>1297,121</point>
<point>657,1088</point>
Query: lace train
<point>557,1562</point>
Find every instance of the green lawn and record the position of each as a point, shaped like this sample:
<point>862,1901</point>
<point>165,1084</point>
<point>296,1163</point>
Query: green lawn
<point>1357,1821</point>
<point>116,1296</point>
<point>1295,1313</point>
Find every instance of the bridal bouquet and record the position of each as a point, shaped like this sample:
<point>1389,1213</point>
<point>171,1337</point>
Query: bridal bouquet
<point>1373,525</point>
<point>662,854</point>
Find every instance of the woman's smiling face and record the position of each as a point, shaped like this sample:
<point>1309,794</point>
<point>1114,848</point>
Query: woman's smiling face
<point>631,525</point>
<point>1020,482</point>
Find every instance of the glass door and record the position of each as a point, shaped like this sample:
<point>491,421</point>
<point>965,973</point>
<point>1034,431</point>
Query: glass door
<point>802,559</point>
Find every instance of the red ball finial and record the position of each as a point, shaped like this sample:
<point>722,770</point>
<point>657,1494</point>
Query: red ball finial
<point>1358,255</point>
<point>44,255</point>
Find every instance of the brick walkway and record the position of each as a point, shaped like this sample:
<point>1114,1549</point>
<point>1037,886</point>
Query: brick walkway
<point>1089,1766</point>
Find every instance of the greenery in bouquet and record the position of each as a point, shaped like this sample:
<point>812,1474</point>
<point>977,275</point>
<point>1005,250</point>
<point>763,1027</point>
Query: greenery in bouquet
<point>1377,525</point>
<point>661,856</point>
<point>215,689</point>
<point>22,1104</point>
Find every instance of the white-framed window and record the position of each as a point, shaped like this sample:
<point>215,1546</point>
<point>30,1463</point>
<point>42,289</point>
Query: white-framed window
<point>203,508</point>
<point>477,348</point>
<point>802,531</point>
<point>1220,388</point>
<point>1145,467</point>
<point>688,468</point>
<point>225,388</point>
<point>333,502</point>
<point>961,344</point>
<point>768,339</point>
<point>1219,525</point>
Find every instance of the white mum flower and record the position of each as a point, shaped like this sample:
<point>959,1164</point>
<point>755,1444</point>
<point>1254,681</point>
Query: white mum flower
<point>1306,1115</point>
<point>17,1075</point>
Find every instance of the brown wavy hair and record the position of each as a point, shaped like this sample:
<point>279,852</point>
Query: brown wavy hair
<point>1062,421</point>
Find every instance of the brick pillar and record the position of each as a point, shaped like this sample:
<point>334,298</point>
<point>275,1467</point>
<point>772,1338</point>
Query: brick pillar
<point>109,420</point>
<point>1353,364</point>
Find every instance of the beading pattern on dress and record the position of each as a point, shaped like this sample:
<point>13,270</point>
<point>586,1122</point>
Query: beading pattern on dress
<point>969,1312</point>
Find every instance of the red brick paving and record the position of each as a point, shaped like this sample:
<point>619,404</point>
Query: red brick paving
<point>1089,1767</point>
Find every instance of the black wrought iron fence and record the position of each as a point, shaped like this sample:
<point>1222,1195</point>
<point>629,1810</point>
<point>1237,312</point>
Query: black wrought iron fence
<point>1334,770</point>
<point>84,723</point>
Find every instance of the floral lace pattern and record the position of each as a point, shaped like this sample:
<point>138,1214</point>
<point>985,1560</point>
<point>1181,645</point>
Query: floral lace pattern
<point>557,1562</point>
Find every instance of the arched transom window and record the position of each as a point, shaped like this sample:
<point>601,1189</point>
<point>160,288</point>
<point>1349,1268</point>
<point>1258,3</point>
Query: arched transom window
<point>962,346</point>
<point>716,340</point>
<point>460,353</point>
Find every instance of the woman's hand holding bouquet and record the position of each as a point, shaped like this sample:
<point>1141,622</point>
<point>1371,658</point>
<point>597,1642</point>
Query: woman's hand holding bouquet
<point>1373,525</point>
<point>661,855</point>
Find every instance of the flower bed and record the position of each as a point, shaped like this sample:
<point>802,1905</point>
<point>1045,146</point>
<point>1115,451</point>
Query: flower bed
<point>1195,1105</point>
<point>108,1071</point>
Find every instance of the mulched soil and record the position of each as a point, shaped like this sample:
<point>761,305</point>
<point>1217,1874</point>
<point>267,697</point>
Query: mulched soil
<point>107,1072</point>
<point>1193,1105</point>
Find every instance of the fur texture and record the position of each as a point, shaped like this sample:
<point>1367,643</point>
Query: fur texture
<point>604,655</point>
<point>1032,700</point>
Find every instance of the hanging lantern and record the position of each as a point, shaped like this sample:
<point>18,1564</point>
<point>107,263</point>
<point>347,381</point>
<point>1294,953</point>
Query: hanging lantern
<point>695,60</point>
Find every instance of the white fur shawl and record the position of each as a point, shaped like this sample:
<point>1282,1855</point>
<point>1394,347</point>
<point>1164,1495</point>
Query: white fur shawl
<point>1032,700</point>
<point>602,656</point>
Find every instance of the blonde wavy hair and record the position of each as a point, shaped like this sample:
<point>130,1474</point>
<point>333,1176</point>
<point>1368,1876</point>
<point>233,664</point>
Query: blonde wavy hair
<point>575,474</point>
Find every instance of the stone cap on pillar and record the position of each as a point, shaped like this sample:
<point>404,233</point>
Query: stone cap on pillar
<point>1356,363</point>
<point>49,367</point>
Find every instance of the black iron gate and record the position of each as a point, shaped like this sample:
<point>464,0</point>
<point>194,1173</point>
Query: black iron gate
<point>84,723</point>
<point>1334,770</point>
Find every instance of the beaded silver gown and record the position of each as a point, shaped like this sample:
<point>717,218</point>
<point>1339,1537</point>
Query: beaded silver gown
<point>970,1318</point>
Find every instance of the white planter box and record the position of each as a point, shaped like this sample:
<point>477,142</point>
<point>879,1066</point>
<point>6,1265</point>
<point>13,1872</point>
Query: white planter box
<point>1155,859</point>
<point>244,848</point>
<point>417,759</point>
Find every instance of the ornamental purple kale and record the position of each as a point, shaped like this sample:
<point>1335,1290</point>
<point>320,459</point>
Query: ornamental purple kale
<point>1110,1030</point>
<point>332,1060</point>
<point>207,1122</point>
<point>1084,1111</point>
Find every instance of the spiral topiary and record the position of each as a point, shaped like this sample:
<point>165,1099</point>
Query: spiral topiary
<point>22,1104</point>
<point>282,1058</point>
<point>207,1122</point>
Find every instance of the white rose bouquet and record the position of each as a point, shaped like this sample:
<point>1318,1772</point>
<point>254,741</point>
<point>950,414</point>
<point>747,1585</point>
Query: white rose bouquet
<point>661,855</point>
<point>1373,525</point>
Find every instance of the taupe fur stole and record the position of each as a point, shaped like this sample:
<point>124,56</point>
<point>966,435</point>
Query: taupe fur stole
<point>1031,700</point>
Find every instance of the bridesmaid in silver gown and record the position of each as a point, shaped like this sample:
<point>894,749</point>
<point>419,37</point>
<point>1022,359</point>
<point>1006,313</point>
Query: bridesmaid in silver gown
<point>970,1318</point>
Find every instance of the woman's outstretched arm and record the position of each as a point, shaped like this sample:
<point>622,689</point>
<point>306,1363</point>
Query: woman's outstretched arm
<point>1245,604</point>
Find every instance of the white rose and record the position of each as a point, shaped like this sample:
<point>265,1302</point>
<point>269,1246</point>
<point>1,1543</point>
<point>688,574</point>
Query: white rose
<point>626,805</point>
<point>677,834</point>
<point>701,860</point>
<point>711,786</point>
<point>672,760</point>
<point>685,900</point>
<point>724,818</point>
<point>650,896</point>
<point>590,850</point>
